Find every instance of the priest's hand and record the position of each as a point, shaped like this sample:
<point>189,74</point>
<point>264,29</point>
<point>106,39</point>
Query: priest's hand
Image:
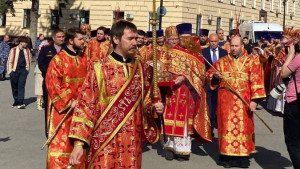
<point>74,104</point>
<point>76,155</point>
<point>159,107</point>
<point>218,75</point>
<point>179,80</point>
<point>253,106</point>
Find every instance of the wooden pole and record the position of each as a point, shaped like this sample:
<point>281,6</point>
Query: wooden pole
<point>57,128</point>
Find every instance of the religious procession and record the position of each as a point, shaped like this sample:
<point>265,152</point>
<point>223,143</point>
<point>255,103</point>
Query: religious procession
<point>108,91</point>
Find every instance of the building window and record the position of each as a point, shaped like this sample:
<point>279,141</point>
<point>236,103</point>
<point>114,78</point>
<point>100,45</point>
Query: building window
<point>294,8</point>
<point>219,22</point>
<point>271,5</point>
<point>84,17</point>
<point>244,2</point>
<point>279,6</point>
<point>199,24</point>
<point>286,6</point>
<point>26,19</point>
<point>263,4</point>
<point>230,24</point>
<point>254,4</point>
<point>232,2</point>
<point>2,20</point>
<point>54,19</point>
<point>118,15</point>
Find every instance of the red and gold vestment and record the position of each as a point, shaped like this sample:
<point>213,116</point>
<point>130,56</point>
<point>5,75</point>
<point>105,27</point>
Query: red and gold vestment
<point>96,50</point>
<point>187,103</point>
<point>235,120</point>
<point>146,52</point>
<point>65,76</point>
<point>276,64</point>
<point>103,120</point>
<point>226,46</point>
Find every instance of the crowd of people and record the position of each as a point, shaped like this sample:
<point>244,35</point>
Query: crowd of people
<point>100,104</point>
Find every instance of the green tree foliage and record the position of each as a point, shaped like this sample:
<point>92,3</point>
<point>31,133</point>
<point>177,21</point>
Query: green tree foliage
<point>7,6</point>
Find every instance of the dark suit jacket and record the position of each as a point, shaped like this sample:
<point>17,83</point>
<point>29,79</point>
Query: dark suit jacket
<point>206,54</point>
<point>45,56</point>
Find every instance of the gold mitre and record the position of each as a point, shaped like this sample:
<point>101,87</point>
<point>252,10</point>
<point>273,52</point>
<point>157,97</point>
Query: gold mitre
<point>86,28</point>
<point>296,35</point>
<point>288,32</point>
<point>171,32</point>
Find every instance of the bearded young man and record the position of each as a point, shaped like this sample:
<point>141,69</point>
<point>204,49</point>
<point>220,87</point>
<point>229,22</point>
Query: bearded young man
<point>114,111</point>
<point>64,78</point>
<point>97,47</point>
<point>146,52</point>
<point>203,36</point>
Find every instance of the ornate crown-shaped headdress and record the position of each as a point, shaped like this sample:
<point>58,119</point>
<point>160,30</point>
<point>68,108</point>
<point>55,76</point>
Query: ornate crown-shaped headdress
<point>288,32</point>
<point>171,32</point>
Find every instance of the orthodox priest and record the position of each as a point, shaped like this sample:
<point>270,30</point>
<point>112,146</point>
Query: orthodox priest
<point>146,52</point>
<point>98,47</point>
<point>113,113</point>
<point>235,118</point>
<point>64,78</point>
<point>186,113</point>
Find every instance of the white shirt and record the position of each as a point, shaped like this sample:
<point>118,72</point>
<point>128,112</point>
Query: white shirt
<point>212,54</point>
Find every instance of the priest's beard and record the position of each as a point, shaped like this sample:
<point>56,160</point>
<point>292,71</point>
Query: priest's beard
<point>78,47</point>
<point>202,43</point>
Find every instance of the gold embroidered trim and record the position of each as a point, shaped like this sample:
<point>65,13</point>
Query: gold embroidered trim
<point>101,83</point>
<point>67,106</point>
<point>117,95</point>
<point>257,87</point>
<point>238,154</point>
<point>79,138</point>
<point>63,94</point>
<point>258,97</point>
<point>240,138</point>
<point>57,60</point>
<point>58,154</point>
<point>73,79</point>
<point>83,120</point>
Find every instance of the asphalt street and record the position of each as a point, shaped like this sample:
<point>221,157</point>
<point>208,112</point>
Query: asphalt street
<point>22,135</point>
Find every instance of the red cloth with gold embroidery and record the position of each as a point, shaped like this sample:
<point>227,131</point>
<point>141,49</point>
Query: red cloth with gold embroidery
<point>95,50</point>
<point>146,52</point>
<point>226,46</point>
<point>235,120</point>
<point>65,76</point>
<point>275,69</point>
<point>103,83</point>
<point>188,101</point>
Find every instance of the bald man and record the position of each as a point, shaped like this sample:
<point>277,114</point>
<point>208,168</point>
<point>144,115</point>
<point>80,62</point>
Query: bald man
<point>235,118</point>
<point>212,54</point>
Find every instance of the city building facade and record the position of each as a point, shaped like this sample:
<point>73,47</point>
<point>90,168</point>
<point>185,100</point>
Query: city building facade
<point>208,14</point>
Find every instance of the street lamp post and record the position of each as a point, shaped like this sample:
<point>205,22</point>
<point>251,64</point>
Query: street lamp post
<point>284,6</point>
<point>160,13</point>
